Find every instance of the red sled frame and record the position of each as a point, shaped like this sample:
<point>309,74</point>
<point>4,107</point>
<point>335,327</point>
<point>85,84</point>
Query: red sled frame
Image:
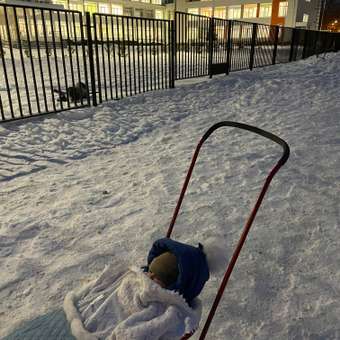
<point>251,218</point>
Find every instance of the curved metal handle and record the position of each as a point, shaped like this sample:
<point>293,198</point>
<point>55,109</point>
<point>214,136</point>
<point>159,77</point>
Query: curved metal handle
<point>251,218</point>
<point>216,126</point>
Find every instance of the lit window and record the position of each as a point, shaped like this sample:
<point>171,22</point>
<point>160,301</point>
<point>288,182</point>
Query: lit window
<point>117,9</point>
<point>146,1</point>
<point>76,7</point>
<point>305,18</point>
<point>104,8</point>
<point>220,12</point>
<point>234,12</point>
<point>249,11</point>
<point>206,11</point>
<point>61,2</point>
<point>193,11</point>
<point>156,2</point>
<point>90,7</point>
<point>159,14</point>
<point>283,8</point>
<point>265,10</point>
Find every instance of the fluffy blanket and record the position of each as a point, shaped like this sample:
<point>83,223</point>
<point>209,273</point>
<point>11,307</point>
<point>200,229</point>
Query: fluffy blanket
<point>126,304</point>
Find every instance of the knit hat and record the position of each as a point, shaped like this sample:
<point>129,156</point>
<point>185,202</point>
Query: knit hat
<point>165,268</point>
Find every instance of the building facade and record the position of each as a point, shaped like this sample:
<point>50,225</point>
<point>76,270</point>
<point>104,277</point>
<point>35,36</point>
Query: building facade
<point>291,13</point>
<point>135,8</point>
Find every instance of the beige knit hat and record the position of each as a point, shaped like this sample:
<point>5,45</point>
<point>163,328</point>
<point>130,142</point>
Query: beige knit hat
<point>165,268</point>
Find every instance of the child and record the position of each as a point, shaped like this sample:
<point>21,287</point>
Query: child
<point>179,267</point>
<point>123,303</point>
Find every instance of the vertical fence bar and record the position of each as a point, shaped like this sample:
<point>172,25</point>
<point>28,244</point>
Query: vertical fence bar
<point>129,52</point>
<point>159,55</point>
<point>124,55</point>
<point>133,55</point>
<point>252,48</point>
<point>316,37</point>
<point>83,44</point>
<point>107,41</point>
<point>144,55</point>
<point>155,55</point>
<point>229,47</point>
<point>70,51</point>
<point>138,56</point>
<point>154,52</point>
<point>77,54</point>
<point>2,110</point>
<point>55,57</point>
<point>63,58</point>
<point>144,60</point>
<point>165,30</point>
<point>211,35</point>
<point>31,59</point>
<point>39,58</point>
<point>305,44</point>
<point>292,44</point>
<point>13,61</point>
<point>114,57</point>
<point>2,56</point>
<point>119,58</point>
<point>22,60</point>
<point>103,55</point>
<point>96,42</point>
<point>191,50</point>
<point>172,54</point>
<point>91,58</point>
<point>48,53</point>
<point>276,39</point>
<point>162,25</point>
<point>184,64</point>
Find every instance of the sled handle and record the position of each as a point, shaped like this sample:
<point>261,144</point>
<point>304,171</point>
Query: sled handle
<point>251,218</point>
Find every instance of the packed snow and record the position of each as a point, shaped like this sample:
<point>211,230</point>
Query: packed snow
<point>85,187</point>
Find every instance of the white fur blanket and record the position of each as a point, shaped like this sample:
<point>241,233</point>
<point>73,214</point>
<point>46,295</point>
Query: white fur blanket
<point>126,304</point>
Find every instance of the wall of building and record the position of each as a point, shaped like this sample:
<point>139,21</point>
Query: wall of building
<point>136,8</point>
<point>311,9</point>
<point>216,7</point>
<point>288,13</point>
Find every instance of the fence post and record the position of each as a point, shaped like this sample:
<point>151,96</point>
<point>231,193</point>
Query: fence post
<point>91,59</point>
<point>292,43</point>
<point>211,47</point>
<point>305,44</point>
<point>230,23</point>
<point>252,49</point>
<point>276,39</point>
<point>172,64</point>
<point>315,43</point>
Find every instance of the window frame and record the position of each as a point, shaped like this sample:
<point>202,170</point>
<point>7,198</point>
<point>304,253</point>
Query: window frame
<point>249,7</point>
<point>234,8</point>
<point>265,6</point>
<point>283,9</point>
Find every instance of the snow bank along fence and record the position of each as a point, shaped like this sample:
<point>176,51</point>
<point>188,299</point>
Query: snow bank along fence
<point>54,60</point>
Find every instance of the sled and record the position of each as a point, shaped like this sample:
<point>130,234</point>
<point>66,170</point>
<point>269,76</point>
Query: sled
<point>251,217</point>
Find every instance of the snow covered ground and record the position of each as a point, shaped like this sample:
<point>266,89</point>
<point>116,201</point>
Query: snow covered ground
<point>81,188</point>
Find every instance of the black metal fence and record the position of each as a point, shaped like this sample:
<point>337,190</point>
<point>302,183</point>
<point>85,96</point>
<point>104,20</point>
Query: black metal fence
<point>208,46</point>
<point>42,54</point>
<point>53,60</point>
<point>132,55</point>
